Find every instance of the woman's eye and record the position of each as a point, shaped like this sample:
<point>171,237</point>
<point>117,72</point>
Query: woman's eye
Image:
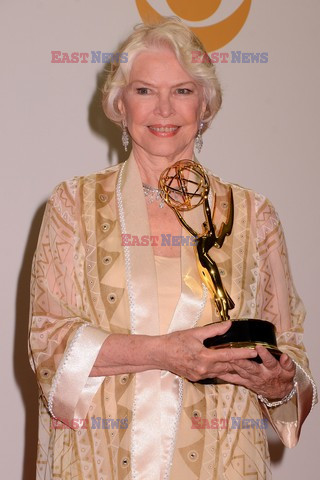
<point>143,90</point>
<point>184,91</point>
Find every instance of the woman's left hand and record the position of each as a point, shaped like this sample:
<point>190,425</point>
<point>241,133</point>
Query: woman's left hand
<point>272,378</point>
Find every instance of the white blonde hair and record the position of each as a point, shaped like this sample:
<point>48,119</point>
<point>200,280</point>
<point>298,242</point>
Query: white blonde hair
<point>171,33</point>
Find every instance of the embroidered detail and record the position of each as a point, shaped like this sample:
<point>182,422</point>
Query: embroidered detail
<point>61,367</point>
<point>202,305</point>
<point>193,456</point>
<point>175,428</point>
<point>294,338</point>
<point>131,309</point>
<point>124,462</point>
<point>72,186</point>
<point>314,388</point>
<point>180,394</point>
<point>126,253</point>
<point>252,302</point>
<point>103,198</point>
<point>270,218</point>
<point>107,259</point>
<point>112,297</point>
<point>45,373</point>
<point>105,227</point>
<point>132,447</point>
<point>258,200</point>
<point>123,379</point>
<point>61,204</point>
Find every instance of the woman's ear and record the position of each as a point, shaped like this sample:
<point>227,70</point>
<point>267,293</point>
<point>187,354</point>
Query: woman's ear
<point>121,107</point>
<point>203,108</point>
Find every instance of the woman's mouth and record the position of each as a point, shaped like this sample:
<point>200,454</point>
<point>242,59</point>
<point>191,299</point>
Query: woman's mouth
<point>163,130</point>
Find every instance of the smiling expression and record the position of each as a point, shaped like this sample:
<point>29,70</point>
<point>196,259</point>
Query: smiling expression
<point>162,105</point>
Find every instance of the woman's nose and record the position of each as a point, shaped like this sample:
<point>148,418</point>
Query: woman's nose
<point>164,105</point>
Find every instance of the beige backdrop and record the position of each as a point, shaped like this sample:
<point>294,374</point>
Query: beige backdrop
<point>266,137</point>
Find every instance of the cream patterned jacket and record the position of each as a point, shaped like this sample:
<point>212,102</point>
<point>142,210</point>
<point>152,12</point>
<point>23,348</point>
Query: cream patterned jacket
<point>86,285</point>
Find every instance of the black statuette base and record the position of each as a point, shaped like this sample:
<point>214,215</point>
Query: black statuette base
<point>246,333</point>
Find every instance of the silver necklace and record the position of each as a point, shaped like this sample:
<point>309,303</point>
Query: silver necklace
<point>153,194</point>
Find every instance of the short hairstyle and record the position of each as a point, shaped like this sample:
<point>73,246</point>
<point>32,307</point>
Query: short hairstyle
<point>171,33</point>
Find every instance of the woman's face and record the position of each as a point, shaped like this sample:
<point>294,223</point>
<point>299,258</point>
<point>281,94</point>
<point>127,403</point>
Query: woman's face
<point>162,105</point>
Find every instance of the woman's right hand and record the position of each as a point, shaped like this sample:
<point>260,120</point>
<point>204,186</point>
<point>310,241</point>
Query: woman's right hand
<point>184,354</point>
<point>181,353</point>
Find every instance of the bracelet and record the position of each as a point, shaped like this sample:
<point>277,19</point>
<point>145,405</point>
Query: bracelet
<point>285,399</point>
<point>288,397</point>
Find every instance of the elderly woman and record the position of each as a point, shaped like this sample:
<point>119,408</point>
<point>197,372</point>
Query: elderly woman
<point>119,316</point>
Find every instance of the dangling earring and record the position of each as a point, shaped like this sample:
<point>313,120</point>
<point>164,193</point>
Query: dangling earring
<point>125,136</point>
<point>199,141</point>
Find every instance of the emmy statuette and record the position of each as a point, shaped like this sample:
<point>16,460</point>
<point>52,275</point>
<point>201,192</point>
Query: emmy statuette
<point>185,186</point>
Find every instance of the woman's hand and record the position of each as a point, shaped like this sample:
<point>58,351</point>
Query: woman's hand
<point>272,379</point>
<point>184,354</point>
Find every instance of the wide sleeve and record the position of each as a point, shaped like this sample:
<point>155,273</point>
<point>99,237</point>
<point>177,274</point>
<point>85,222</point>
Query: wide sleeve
<point>63,341</point>
<point>279,303</point>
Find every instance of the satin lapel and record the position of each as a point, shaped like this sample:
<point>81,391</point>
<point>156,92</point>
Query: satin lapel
<point>155,391</point>
<point>144,280</point>
<point>193,294</point>
<point>143,301</point>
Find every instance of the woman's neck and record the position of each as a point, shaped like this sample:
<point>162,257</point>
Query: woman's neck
<point>151,166</point>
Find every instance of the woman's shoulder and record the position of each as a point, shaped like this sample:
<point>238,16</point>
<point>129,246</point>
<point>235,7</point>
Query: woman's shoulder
<point>221,184</point>
<point>258,202</point>
<point>71,186</point>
